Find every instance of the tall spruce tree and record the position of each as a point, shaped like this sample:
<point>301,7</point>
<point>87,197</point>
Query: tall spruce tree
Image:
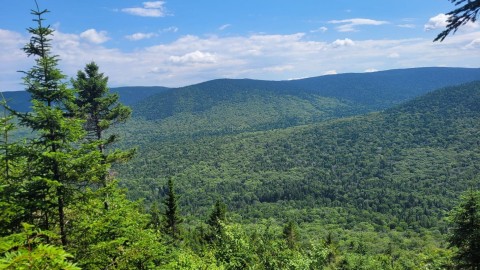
<point>290,234</point>
<point>100,108</point>
<point>171,217</point>
<point>465,233</point>
<point>57,162</point>
<point>216,221</point>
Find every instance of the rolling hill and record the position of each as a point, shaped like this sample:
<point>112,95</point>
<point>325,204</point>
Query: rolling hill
<point>403,167</point>
<point>228,106</point>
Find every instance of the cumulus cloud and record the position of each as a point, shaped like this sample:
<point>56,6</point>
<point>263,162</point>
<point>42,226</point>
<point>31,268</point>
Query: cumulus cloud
<point>93,36</point>
<point>140,36</point>
<point>441,21</point>
<point>149,9</point>
<point>194,58</point>
<point>437,22</point>
<point>343,43</point>
<point>350,25</point>
<point>368,70</point>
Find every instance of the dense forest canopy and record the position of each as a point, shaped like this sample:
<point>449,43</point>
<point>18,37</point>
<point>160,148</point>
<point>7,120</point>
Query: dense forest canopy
<point>352,171</point>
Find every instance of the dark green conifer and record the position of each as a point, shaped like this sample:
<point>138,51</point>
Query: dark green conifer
<point>171,217</point>
<point>465,233</point>
<point>101,110</point>
<point>290,234</point>
<point>57,163</point>
<point>216,221</point>
<point>97,105</point>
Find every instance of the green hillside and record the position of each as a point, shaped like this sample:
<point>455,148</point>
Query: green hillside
<point>231,106</point>
<point>404,167</point>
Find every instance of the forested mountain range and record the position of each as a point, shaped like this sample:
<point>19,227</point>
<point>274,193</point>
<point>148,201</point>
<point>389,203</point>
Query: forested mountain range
<point>228,106</point>
<point>308,144</point>
<point>403,167</point>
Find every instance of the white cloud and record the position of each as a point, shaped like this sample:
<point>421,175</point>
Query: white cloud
<point>223,27</point>
<point>394,55</point>
<point>279,68</point>
<point>172,29</point>
<point>93,36</point>
<point>368,70</point>
<point>193,58</point>
<point>408,25</point>
<point>441,21</point>
<point>330,72</point>
<point>437,22</point>
<point>149,9</point>
<point>475,44</point>
<point>140,36</point>
<point>155,4</point>
<point>12,58</point>
<point>350,24</point>
<point>322,29</point>
<point>343,43</point>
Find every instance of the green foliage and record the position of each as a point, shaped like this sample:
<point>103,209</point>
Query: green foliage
<point>101,109</point>
<point>290,234</point>
<point>29,249</point>
<point>96,104</point>
<point>56,163</point>
<point>465,231</point>
<point>117,237</point>
<point>171,217</point>
<point>398,169</point>
<point>216,221</point>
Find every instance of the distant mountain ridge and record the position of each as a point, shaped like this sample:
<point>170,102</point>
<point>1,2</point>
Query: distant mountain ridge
<point>20,100</point>
<point>230,106</point>
<point>227,106</point>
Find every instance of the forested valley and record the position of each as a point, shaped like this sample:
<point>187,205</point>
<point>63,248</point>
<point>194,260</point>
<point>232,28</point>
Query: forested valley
<point>352,171</point>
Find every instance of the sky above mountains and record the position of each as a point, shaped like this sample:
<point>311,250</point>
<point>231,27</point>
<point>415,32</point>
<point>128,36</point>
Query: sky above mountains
<point>177,43</point>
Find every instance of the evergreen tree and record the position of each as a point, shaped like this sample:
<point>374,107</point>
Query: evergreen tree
<point>100,108</point>
<point>465,233</point>
<point>13,208</point>
<point>290,234</point>
<point>216,221</point>
<point>171,217</point>
<point>56,161</point>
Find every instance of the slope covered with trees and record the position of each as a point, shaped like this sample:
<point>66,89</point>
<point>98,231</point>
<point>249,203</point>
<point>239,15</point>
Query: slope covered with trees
<point>402,167</point>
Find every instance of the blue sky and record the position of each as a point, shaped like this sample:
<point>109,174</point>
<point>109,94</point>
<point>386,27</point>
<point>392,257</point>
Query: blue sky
<point>181,42</point>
